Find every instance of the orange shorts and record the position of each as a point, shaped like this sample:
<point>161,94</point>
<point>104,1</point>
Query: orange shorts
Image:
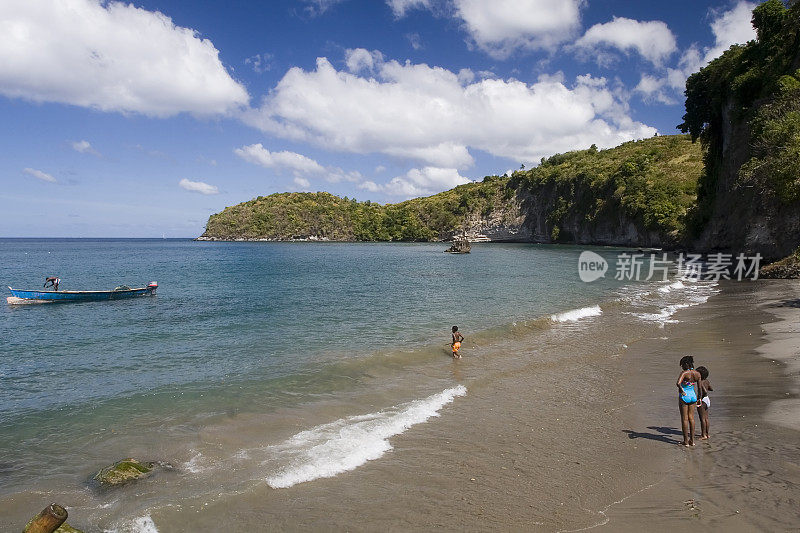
<point>456,346</point>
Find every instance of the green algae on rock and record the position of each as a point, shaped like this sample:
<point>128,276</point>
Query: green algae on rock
<point>66,528</point>
<point>123,471</point>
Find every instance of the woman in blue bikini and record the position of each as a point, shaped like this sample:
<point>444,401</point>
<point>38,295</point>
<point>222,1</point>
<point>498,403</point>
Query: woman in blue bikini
<point>688,396</point>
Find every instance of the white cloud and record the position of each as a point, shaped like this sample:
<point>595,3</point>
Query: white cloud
<point>399,7</point>
<point>112,57</point>
<point>257,154</point>
<point>318,7</point>
<point>302,182</point>
<point>435,116</point>
<point>500,27</point>
<point>298,164</point>
<point>84,147</point>
<point>729,27</point>
<point>653,40</point>
<point>370,186</point>
<point>198,186</point>
<point>358,59</point>
<point>415,41</point>
<point>260,62</point>
<point>418,182</point>
<point>38,174</point>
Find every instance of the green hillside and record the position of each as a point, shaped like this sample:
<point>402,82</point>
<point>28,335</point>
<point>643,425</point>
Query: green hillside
<point>652,182</point>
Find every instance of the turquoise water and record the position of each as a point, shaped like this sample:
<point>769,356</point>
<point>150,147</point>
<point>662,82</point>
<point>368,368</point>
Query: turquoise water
<point>240,328</point>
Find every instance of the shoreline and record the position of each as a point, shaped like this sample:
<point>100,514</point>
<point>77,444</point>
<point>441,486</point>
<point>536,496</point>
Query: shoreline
<point>571,427</point>
<point>742,478</point>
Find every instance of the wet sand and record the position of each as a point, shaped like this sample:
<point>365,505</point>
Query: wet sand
<point>746,477</point>
<point>582,436</point>
<point>569,429</point>
<point>565,428</point>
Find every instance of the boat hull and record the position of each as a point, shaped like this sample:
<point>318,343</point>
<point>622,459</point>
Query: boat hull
<point>24,297</point>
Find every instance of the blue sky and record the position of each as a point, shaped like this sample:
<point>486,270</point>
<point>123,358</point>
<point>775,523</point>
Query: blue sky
<point>140,120</point>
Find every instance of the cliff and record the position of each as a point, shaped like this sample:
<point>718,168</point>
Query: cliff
<point>745,109</point>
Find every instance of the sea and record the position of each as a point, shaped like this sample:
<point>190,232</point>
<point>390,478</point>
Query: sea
<point>263,366</point>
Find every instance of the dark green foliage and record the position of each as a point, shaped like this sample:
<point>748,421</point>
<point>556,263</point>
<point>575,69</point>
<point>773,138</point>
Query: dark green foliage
<point>733,87</point>
<point>651,181</point>
<point>775,161</point>
<point>323,215</point>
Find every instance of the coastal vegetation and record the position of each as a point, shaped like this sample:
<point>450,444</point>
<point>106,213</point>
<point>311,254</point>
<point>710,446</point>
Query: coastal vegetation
<point>738,189</point>
<point>652,182</point>
<point>321,215</point>
<point>745,108</point>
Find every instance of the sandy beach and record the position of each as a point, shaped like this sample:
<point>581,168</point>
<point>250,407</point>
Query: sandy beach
<point>747,476</point>
<point>568,423</point>
<point>578,434</point>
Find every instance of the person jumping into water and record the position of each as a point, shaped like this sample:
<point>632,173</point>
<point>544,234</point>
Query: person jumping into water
<point>688,396</point>
<point>53,281</point>
<point>458,338</point>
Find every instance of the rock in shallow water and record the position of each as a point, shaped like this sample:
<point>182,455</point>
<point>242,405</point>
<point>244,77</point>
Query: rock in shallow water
<point>460,246</point>
<point>123,471</point>
<point>66,528</point>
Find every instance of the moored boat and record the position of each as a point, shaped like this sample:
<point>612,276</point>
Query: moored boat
<point>19,296</point>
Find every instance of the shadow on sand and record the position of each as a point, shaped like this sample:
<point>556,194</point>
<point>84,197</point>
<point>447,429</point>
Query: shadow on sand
<point>787,303</point>
<point>661,434</point>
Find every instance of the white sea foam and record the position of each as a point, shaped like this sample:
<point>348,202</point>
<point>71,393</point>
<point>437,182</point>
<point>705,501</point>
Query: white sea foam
<point>194,465</point>
<point>143,524</point>
<point>330,449</point>
<point>671,287</point>
<point>677,296</point>
<point>664,316</point>
<point>577,314</point>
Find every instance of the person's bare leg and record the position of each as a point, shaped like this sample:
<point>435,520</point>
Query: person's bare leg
<point>690,412</point>
<point>703,413</point>
<point>702,421</point>
<point>684,421</point>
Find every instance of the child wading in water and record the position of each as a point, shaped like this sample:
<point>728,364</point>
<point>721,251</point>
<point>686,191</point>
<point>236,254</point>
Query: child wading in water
<point>458,338</point>
<point>688,396</point>
<point>705,401</point>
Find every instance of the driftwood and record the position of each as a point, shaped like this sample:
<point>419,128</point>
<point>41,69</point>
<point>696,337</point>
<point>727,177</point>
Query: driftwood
<point>48,520</point>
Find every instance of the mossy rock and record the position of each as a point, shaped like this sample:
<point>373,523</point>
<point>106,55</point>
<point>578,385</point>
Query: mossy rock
<point>66,528</point>
<point>122,472</point>
<point>786,268</point>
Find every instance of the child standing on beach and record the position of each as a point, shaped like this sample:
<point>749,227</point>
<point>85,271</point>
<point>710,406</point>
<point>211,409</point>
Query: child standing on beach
<point>458,338</point>
<point>688,396</point>
<point>705,401</point>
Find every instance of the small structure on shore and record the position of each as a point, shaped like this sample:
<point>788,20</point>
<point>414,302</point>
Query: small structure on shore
<point>460,246</point>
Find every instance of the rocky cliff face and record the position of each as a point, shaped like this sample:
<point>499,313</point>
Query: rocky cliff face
<point>503,223</point>
<point>746,217</point>
<point>527,219</point>
<point>745,108</point>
